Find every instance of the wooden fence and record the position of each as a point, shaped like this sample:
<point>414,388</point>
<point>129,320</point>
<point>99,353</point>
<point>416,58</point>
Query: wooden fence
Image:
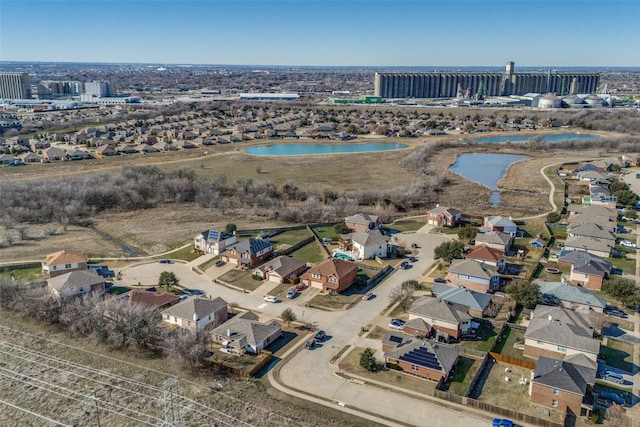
<point>513,361</point>
<point>296,246</point>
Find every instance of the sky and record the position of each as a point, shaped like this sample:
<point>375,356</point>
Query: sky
<point>323,33</point>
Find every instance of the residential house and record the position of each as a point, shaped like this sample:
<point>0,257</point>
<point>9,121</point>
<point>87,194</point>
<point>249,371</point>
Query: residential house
<point>195,313</point>
<point>332,274</point>
<point>557,332</point>
<point>586,269</point>
<point>29,157</point>
<point>605,222</point>
<point>597,247</point>
<point>52,154</point>
<point>502,224</point>
<point>588,229</point>
<point>106,151</point>
<point>569,296</point>
<point>213,241</point>
<point>76,283</point>
<point>146,148</point>
<point>150,299</point>
<point>473,275</point>
<point>7,159</point>
<point>164,146</point>
<point>575,209</point>
<point>245,333</point>
<point>489,256</point>
<point>370,244</point>
<point>422,358</point>
<point>362,222</point>
<point>443,216</point>
<point>563,384</point>
<point>281,269</point>
<point>495,239</point>
<point>478,302</point>
<point>127,149</point>
<point>64,261</point>
<point>248,253</point>
<point>447,318</point>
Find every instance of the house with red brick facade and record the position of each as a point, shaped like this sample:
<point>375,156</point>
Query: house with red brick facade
<point>502,224</point>
<point>587,270</point>
<point>64,261</point>
<point>487,255</point>
<point>421,357</point>
<point>332,274</point>
<point>474,275</point>
<point>447,318</point>
<point>443,216</point>
<point>563,384</point>
<point>362,222</point>
<point>248,253</point>
<point>557,333</point>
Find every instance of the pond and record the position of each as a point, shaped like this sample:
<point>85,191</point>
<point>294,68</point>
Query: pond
<point>545,138</point>
<point>485,169</point>
<point>311,149</point>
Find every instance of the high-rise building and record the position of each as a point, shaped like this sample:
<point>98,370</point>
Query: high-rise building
<point>15,86</point>
<point>99,89</point>
<point>448,84</point>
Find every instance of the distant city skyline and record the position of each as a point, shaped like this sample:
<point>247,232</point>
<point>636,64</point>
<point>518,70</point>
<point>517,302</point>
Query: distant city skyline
<point>322,33</point>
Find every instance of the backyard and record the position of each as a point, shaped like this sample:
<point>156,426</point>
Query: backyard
<point>311,253</point>
<point>289,238</point>
<point>618,354</point>
<point>507,344</point>
<point>464,372</point>
<point>486,335</point>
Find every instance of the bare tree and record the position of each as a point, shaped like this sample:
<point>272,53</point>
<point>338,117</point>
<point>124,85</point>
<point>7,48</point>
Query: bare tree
<point>22,231</point>
<point>185,347</point>
<point>9,237</point>
<point>403,293</point>
<point>615,416</point>
<point>598,320</point>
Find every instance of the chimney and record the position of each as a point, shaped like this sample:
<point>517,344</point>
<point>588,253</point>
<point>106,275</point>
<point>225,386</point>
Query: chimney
<point>550,318</point>
<point>228,332</point>
<point>195,317</point>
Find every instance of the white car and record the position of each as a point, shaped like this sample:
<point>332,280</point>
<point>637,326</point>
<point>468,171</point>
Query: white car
<point>271,298</point>
<point>627,244</point>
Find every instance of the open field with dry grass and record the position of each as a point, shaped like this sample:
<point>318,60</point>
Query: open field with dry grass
<point>56,379</point>
<point>156,230</point>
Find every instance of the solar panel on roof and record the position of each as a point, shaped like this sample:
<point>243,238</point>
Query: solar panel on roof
<point>395,338</point>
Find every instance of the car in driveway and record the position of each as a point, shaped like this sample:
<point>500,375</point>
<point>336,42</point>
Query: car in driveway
<point>502,422</point>
<point>440,280</point>
<point>299,288</point>
<point>320,335</point>
<point>397,324</point>
<point>310,344</point>
<point>615,311</point>
<point>292,293</point>
<point>413,259</point>
<point>193,292</point>
<point>219,263</point>
<point>367,296</point>
<point>404,265</point>
<point>271,298</point>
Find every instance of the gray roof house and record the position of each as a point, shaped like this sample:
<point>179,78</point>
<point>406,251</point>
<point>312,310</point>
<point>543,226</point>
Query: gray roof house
<point>570,296</point>
<point>588,229</point>
<point>563,384</point>
<point>196,312</point>
<point>601,248</point>
<point>369,244</point>
<point>477,302</point>
<point>281,268</point>
<point>244,333</point>
<point>362,221</point>
<point>597,210</point>
<point>473,275</point>
<point>76,283</point>
<point>558,332</point>
<point>495,240</point>
<point>586,269</point>
<point>448,318</point>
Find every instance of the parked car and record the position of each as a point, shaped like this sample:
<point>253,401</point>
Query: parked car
<point>320,335</point>
<point>271,298</point>
<point>615,311</point>
<point>614,376</point>
<point>497,422</point>
<point>193,292</point>
<point>310,344</point>
<point>108,285</point>
<point>440,280</point>
<point>612,396</point>
<point>166,261</point>
<point>415,246</point>
<point>219,263</point>
<point>396,324</point>
<point>151,289</point>
<point>299,288</point>
<point>404,265</point>
<point>413,259</point>
<point>292,293</point>
<point>367,296</point>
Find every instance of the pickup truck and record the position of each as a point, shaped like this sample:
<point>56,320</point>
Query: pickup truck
<point>103,270</point>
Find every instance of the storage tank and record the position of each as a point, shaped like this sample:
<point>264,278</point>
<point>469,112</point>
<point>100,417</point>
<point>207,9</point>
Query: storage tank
<point>573,101</point>
<point>594,101</point>
<point>549,101</point>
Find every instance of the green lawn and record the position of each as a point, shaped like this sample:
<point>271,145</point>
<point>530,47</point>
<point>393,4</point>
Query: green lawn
<point>559,232</point>
<point>488,334</point>
<point>531,231</point>
<point>464,372</point>
<point>409,224</point>
<point>209,263</point>
<point>25,274</point>
<point>446,230</point>
<point>331,302</point>
<point>618,354</point>
<point>241,279</point>
<point>627,265</point>
<point>186,254</point>
<point>506,344</point>
<point>290,237</point>
<point>326,231</point>
<point>311,253</point>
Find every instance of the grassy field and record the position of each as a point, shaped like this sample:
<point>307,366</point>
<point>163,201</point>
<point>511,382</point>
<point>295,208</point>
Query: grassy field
<point>506,345</point>
<point>242,279</point>
<point>25,274</point>
<point>331,302</point>
<point>311,253</point>
<point>618,354</point>
<point>289,238</point>
<point>326,231</point>
<point>488,335</point>
<point>351,364</point>
<point>412,224</point>
<point>627,265</point>
<point>186,254</point>
<point>464,372</point>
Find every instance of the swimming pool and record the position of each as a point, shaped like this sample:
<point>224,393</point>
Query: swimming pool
<point>342,256</point>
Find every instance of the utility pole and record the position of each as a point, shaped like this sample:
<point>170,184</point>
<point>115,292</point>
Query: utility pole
<point>96,400</point>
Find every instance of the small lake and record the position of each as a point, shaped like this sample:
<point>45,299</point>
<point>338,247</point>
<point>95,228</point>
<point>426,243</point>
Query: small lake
<point>311,149</point>
<point>486,169</point>
<point>546,138</point>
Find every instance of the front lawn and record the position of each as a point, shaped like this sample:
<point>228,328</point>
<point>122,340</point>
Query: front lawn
<point>627,265</point>
<point>412,224</point>
<point>186,254</point>
<point>242,279</point>
<point>328,301</point>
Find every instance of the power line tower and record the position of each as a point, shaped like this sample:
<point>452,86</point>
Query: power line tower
<point>173,409</point>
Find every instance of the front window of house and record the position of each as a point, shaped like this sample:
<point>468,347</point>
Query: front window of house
<point>67,266</point>
<point>316,275</point>
<point>415,368</point>
<point>556,392</point>
<point>554,403</point>
<point>562,348</point>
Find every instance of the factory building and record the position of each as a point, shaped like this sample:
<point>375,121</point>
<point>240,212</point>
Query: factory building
<point>15,86</point>
<point>448,84</point>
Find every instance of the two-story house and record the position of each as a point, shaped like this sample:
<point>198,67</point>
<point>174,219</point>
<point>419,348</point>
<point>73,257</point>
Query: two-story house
<point>64,261</point>
<point>473,275</point>
<point>248,253</point>
<point>448,318</point>
<point>443,216</point>
<point>213,241</point>
<point>362,221</point>
<point>195,313</point>
<point>332,274</point>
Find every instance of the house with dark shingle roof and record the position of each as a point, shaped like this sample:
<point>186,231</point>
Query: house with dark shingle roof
<point>598,247</point>
<point>196,312</point>
<point>421,357</point>
<point>570,296</point>
<point>586,269</point>
<point>369,244</point>
<point>563,384</point>
<point>448,318</point>
<point>332,274</point>
<point>477,302</point>
<point>502,224</point>
<point>489,256</point>
<point>150,299</point>
<point>588,229</point>
<point>495,239</point>
<point>248,253</point>
<point>473,275</point>
<point>213,241</point>
<point>76,283</point>
<point>280,269</point>
<point>557,332</point>
<point>245,333</point>
<point>444,216</point>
